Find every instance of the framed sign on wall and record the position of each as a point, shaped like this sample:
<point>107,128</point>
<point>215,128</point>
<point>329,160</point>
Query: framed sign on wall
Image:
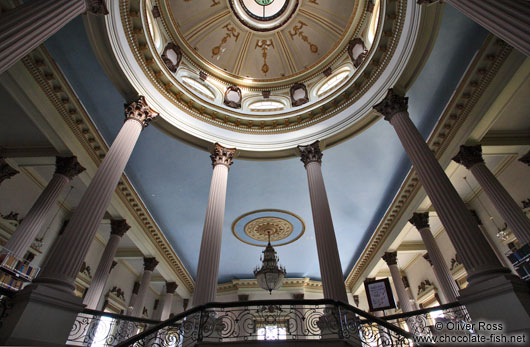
<point>379,294</point>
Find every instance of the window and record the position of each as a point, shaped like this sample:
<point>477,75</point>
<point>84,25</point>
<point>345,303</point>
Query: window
<point>266,106</point>
<point>333,82</point>
<point>198,87</point>
<point>272,332</point>
<point>374,21</point>
<point>264,9</point>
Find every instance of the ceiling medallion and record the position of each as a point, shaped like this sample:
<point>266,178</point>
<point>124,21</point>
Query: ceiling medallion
<point>257,228</point>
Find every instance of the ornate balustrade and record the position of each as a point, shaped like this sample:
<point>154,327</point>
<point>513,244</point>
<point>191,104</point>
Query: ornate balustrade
<point>105,329</point>
<point>273,320</point>
<point>422,322</point>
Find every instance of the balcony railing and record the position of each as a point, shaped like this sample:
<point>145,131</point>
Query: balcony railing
<point>97,328</point>
<point>273,320</point>
<point>431,321</point>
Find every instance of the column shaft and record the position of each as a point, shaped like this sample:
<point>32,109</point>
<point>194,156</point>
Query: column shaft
<point>99,280</point>
<point>507,19</point>
<point>142,291</point>
<point>403,297</point>
<point>210,253</point>
<point>29,25</point>
<point>503,202</point>
<point>449,289</point>
<point>64,263</point>
<point>328,253</point>
<point>167,303</point>
<point>34,220</point>
<point>470,244</point>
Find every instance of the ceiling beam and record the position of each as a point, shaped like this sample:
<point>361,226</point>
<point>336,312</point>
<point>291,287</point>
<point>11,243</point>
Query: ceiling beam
<point>129,253</point>
<point>506,138</point>
<point>411,247</point>
<point>24,152</point>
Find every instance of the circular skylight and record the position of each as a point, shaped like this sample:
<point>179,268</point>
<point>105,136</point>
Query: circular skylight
<point>264,10</point>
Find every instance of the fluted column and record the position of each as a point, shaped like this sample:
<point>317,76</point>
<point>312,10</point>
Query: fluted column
<point>507,19</point>
<point>6,171</point>
<point>210,253</point>
<point>478,258</point>
<point>27,26</point>
<point>132,300</point>
<point>63,266</point>
<point>118,229</point>
<point>167,300</point>
<point>149,266</point>
<point>328,253</point>
<point>449,289</point>
<point>66,168</point>
<point>471,158</point>
<point>409,293</point>
<point>391,260</point>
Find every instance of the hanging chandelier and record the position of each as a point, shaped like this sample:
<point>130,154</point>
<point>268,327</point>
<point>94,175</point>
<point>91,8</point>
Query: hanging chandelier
<point>270,275</point>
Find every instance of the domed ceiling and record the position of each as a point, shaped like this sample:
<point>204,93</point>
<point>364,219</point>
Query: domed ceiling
<point>263,76</point>
<point>233,39</point>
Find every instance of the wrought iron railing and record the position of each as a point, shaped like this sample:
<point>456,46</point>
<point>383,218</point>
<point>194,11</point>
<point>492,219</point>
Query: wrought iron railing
<point>273,320</point>
<point>105,329</point>
<point>430,321</point>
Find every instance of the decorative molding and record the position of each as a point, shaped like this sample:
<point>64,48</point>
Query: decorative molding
<point>469,156</point>
<point>304,284</point>
<point>119,227</point>
<point>310,153</point>
<point>425,286</point>
<point>167,59</point>
<point>222,156</point>
<point>480,73</point>
<point>68,166</point>
<point>55,86</point>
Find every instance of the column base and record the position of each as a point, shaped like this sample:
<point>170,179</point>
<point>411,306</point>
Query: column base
<point>41,316</point>
<point>502,299</point>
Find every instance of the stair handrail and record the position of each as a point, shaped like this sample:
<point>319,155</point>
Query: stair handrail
<point>292,302</point>
<point>421,311</point>
<point>120,316</point>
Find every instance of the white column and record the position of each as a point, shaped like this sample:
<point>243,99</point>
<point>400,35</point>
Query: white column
<point>167,301</point>
<point>507,19</point>
<point>27,26</point>
<point>66,168</point>
<point>448,287</point>
<point>132,300</point>
<point>486,276</point>
<point>471,158</point>
<point>328,253</point>
<point>210,253</point>
<point>149,266</point>
<point>391,260</point>
<point>118,229</point>
<point>412,301</point>
<point>65,262</point>
<point>6,171</point>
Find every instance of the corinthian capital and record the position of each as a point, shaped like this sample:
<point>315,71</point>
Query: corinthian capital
<point>469,156</point>
<point>140,111</point>
<point>171,287</point>
<point>392,104</point>
<point>119,227</point>
<point>68,166</point>
<point>525,159</point>
<point>310,153</point>
<point>150,264</point>
<point>420,220</point>
<point>222,155</point>
<point>390,258</point>
<point>96,7</point>
<point>6,171</point>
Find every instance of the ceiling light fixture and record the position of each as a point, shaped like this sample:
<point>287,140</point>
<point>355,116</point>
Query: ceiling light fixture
<point>270,276</point>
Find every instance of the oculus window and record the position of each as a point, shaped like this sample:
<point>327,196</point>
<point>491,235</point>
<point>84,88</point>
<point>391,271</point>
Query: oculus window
<point>264,10</point>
